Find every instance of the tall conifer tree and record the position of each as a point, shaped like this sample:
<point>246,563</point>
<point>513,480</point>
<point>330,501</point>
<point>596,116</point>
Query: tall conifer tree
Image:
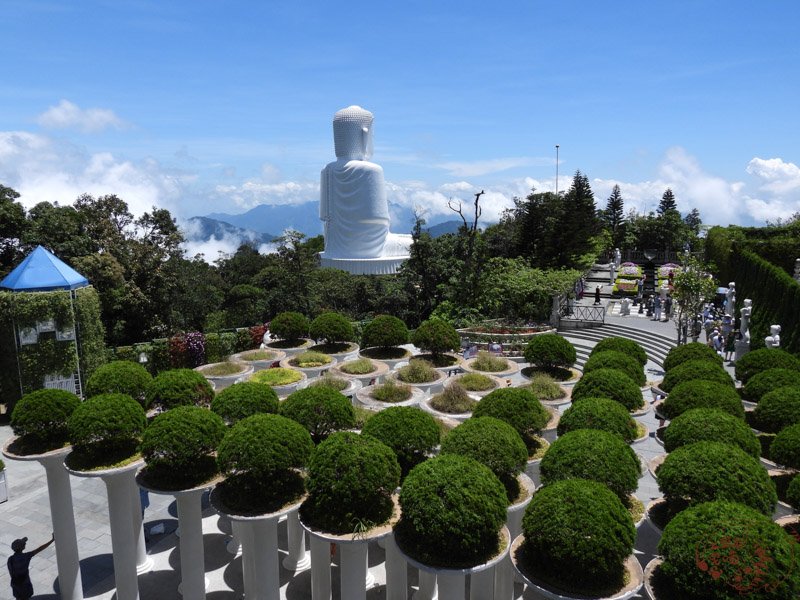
<point>667,202</point>
<point>614,216</point>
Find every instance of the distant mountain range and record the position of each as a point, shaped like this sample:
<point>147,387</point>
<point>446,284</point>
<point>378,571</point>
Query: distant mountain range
<point>202,229</point>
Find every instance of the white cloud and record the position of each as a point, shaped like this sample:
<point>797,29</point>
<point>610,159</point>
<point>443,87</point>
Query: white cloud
<point>776,176</point>
<point>484,167</point>
<point>253,193</point>
<point>213,248</point>
<point>70,116</point>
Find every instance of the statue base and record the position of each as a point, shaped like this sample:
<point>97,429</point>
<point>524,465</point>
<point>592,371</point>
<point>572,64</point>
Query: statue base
<point>388,265</point>
<point>742,348</point>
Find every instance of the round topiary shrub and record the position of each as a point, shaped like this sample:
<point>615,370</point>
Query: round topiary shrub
<point>624,345</point>
<point>350,482</point>
<point>710,425</point>
<point>707,471</point>
<point>702,394</point>
<point>767,381</point>
<point>320,410</point>
<point>793,493</point>
<point>259,457</point>
<point>120,377</point>
<point>691,351</point>
<point>436,336</point>
<point>244,399</point>
<point>519,408</point>
<point>595,455</point>
<point>105,430</point>
<point>764,359</point>
<point>698,565</point>
<point>778,409</point>
<point>40,419</point>
<point>494,443</point>
<point>694,370</point>
<point>550,351</point>
<point>611,384</point>
<point>331,327</point>
<point>385,331</point>
<point>598,413</point>
<point>178,447</point>
<point>785,448</point>
<point>410,432</point>
<point>289,326</point>
<point>178,387</point>
<point>611,359</point>
<point>452,510</point>
<point>578,535</point>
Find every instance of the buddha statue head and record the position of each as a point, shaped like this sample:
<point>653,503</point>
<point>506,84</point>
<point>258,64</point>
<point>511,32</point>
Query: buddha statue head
<point>353,134</point>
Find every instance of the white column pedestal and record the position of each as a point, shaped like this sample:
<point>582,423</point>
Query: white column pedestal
<point>320,569</point>
<point>123,541</point>
<point>504,575</point>
<point>298,559</point>
<point>353,571</point>
<point>143,562</point>
<point>262,545</point>
<point>427,586</point>
<point>396,571</point>
<point>452,586</point>
<point>481,585</point>
<point>61,512</point>
<point>190,518</point>
<point>245,534</point>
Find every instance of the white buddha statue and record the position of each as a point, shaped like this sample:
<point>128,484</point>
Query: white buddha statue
<point>353,202</point>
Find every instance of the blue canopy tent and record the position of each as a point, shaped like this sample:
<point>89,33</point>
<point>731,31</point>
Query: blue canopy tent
<point>42,271</point>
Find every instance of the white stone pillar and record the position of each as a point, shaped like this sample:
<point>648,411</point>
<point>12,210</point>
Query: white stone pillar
<point>452,585</point>
<point>261,544</point>
<point>320,569</point>
<point>481,585</point>
<point>59,492</point>
<point>123,541</point>
<point>504,575</point>
<point>353,570</point>
<point>427,586</point>
<point>298,559</point>
<point>190,519</point>
<point>248,558</point>
<point>396,571</point>
<point>234,545</point>
<point>143,562</point>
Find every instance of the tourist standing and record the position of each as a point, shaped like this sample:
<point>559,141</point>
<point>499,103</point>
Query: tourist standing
<point>597,294</point>
<point>657,308</point>
<point>730,345</point>
<point>667,307</point>
<point>640,287</point>
<point>18,564</point>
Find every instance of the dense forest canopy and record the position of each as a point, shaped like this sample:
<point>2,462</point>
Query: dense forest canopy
<point>149,288</point>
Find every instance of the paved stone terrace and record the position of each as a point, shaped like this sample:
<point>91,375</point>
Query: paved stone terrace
<point>27,513</point>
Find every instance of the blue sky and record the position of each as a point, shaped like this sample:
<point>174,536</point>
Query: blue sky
<point>205,107</point>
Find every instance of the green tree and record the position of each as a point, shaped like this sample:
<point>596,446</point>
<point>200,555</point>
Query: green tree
<point>667,202</point>
<point>578,226</point>
<point>12,229</point>
<point>614,216</point>
<point>693,286</point>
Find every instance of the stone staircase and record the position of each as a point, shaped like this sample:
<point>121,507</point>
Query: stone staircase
<point>599,275</point>
<point>656,345</point>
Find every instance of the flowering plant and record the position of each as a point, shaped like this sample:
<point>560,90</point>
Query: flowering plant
<point>177,352</point>
<point>257,335</point>
<point>635,271</point>
<point>195,349</point>
<point>628,264</point>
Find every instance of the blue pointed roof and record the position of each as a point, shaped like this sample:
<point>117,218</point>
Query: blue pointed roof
<point>42,271</point>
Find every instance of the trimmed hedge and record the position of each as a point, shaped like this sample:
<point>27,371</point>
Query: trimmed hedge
<point>178,387</point>
<point>702,394</point>
<point>691,351</point>
<point>624,345</point>
<point>178,447</point>
<point>594,455</point>
<point>385,331</point>
<point>691,540</point>
<point>436,336</point>
<point>598,413</point>
<point>785,448</point>
<point>793,493</point>
<point>767,381</point>
<point>550,351</point>
<point>611,384</point>
<point>331,327</point>
<point>452,510</point>
<point>493,443</point>
<point>40,419</point>
<point>410,432</point>
<point>612,359</point>
<point>289,326</point>
<point>707,471</point>
<point>351,478</point>
<point>120,377</point>
<point>577,536</point>
<point>710,425</point>
<point>517,407</point>
<point>694,370</point>
<point>764,359</point>
<point>778,409</point>
<point>321,410</point>
<point>244,399</point>
<point>106,428</point>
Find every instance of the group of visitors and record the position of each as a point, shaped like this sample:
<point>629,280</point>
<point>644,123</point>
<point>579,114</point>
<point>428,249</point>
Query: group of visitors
<point>658,307</point>
<point>722,336</point>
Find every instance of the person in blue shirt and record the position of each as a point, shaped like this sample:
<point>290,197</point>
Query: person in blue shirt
<point>18,563</point>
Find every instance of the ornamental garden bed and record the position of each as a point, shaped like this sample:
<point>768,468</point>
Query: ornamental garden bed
<point>366,396</point>
<point>310,362</point>
<point>282,380</point>
<point>225,371</point>
<point>369,372</point>
<point>262,358</point>
<point>476,384</point>
<point>419,374</point>
<point>567,377</point>
<point>490,365</point>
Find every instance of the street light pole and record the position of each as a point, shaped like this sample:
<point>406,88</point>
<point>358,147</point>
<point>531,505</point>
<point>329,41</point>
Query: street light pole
<point>556,169</point>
